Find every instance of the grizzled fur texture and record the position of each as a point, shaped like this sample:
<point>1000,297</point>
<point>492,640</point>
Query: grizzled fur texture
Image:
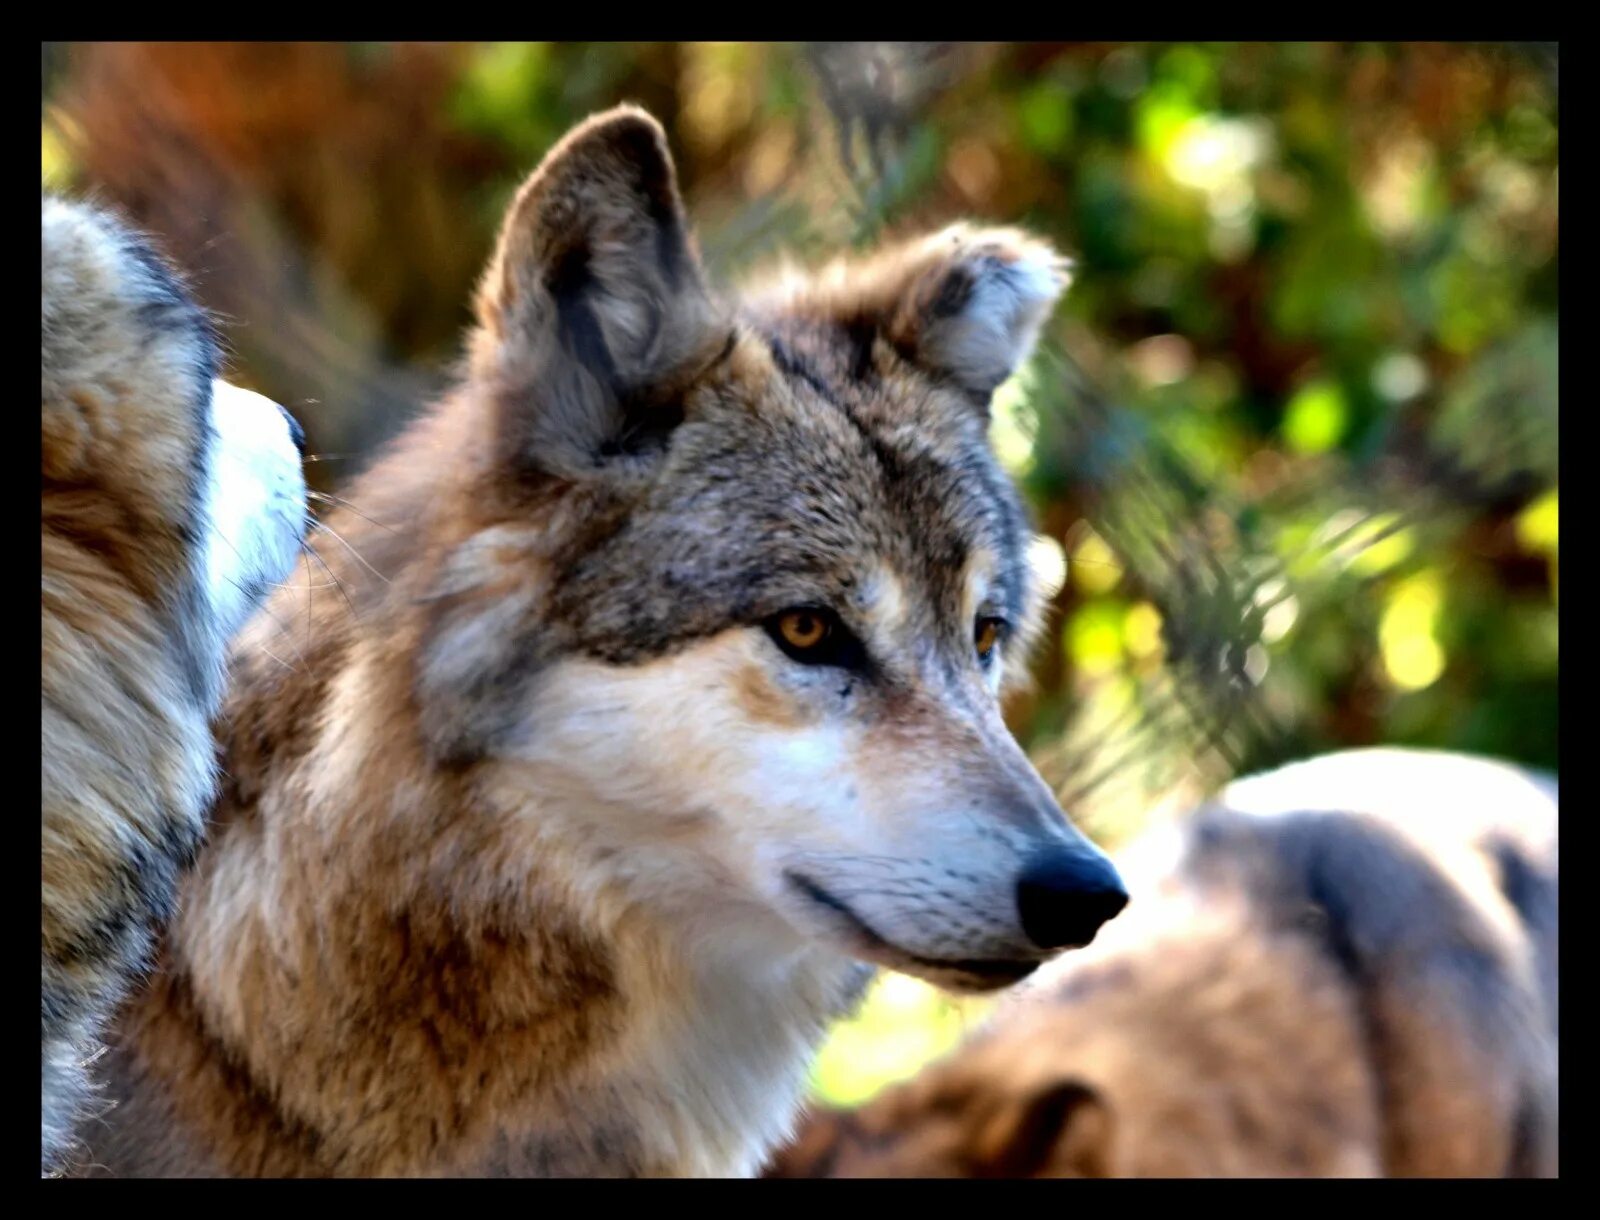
<point>1343,968</point>
<point>537,854</point>
<point>168,502</point>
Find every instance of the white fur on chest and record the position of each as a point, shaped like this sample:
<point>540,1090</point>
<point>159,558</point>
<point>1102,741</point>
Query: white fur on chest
<point>724,1071</point>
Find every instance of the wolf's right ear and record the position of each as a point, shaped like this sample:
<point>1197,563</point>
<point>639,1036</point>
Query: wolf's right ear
<point>594,307</point>
<point>975,302</point>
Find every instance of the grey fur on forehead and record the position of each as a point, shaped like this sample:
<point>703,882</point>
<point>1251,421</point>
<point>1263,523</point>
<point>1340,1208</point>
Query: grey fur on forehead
<point>797,500</point>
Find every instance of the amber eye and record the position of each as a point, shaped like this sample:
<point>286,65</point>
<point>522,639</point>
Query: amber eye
<point>803,629</point>
<point>986,635</point>
<point>815,636</point>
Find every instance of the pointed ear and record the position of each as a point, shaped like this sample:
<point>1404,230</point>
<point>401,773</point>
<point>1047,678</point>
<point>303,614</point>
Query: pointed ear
<point>1062,1129</point>
<point>972,302</point>
<point>594,306</point>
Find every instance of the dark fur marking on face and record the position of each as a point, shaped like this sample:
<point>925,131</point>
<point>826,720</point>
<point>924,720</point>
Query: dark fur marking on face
<point>793,365</point>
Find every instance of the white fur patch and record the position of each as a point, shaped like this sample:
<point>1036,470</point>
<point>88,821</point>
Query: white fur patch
<point>1421,784</point>
<point>255,502</point>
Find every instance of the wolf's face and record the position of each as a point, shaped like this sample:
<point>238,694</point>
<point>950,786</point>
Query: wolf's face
<point>767,622</point>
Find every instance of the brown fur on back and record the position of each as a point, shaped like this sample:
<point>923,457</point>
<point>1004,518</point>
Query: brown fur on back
<point>1354,978</point>
<point>130,662</point>
<point>1219,1050</point>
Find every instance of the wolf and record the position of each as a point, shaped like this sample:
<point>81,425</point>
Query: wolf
<point>659,705</point>
<point>169,501</point>
<point>1343,968</point>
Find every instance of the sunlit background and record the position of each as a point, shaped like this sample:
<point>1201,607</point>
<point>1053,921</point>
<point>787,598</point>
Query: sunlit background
<point>1291,443</point>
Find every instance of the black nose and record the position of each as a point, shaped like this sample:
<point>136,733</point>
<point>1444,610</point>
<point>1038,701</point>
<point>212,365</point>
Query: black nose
<point>1064,896</point>
<point>296,433</point>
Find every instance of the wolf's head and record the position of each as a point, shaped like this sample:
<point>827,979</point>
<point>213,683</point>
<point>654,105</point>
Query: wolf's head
<point>776,581</point>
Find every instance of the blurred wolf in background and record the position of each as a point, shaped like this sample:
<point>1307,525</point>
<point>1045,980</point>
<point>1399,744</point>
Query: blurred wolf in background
<point>169,502</point>
<point>1346,967</point>
<point>661,695</point>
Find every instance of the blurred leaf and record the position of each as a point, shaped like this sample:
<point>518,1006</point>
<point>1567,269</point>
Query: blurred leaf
<point>1537,525</point>
<point>1412,654</point>
<point>1316,418</point>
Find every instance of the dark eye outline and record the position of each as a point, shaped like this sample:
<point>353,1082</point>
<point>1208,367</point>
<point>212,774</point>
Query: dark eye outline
<point>837,647</point>
<point>1002,631</point>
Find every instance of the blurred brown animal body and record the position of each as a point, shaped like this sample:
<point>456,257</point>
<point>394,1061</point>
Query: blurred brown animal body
<point>553,839</point>
<point>1343,968</point>
<point>169,501</point>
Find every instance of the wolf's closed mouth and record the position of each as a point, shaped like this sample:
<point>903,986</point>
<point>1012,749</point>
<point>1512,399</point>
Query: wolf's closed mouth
<point>1009,970</point>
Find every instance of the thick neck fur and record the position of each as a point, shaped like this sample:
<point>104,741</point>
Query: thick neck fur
<point>390,963</point>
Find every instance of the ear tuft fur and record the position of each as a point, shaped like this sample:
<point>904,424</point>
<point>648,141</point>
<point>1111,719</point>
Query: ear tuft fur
<point>978,302</point>
<point>965,304</point>
<point>594,302</point>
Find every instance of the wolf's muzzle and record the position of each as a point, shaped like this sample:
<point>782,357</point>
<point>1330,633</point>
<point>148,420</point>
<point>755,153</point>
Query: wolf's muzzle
<point>1064,895</point>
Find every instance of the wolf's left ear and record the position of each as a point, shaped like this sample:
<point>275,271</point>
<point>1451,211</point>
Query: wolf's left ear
<point>594,304</point>
<point>974,302</point>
